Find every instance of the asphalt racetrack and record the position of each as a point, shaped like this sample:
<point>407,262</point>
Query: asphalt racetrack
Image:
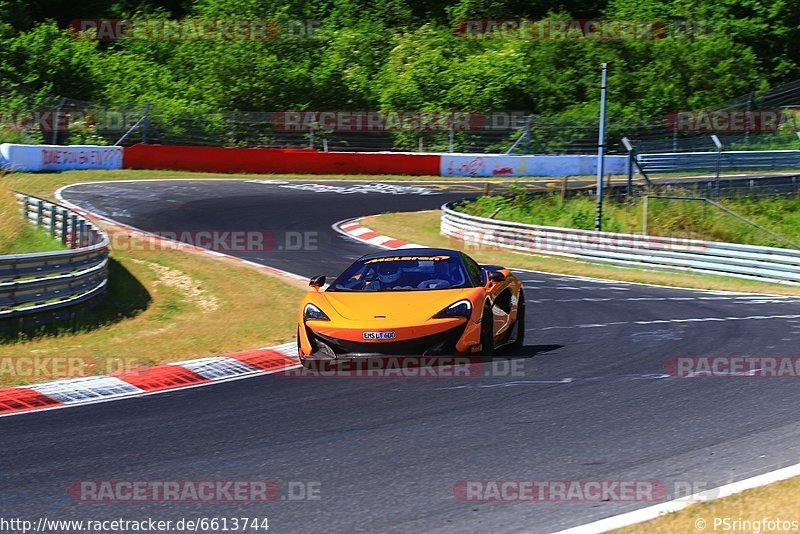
<point>589,398</point>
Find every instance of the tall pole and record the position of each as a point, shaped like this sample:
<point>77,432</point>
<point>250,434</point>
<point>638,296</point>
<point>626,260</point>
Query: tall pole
<point>718,144</point>
<point>601,142</point>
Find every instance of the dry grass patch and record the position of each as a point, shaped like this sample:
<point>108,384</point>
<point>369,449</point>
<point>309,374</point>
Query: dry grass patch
<point>773,502</point>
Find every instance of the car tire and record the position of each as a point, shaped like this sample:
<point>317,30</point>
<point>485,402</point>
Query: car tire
<point>520,323</point>
<point>487,332</point>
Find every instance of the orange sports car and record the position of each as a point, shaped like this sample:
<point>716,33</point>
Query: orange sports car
<point>420,302</point>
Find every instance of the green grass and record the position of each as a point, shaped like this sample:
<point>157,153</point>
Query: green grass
<point>18,236</point>
<point>163,304</point>
<point>423,228</point>
<point>672,218</point>
<point>30,239</point>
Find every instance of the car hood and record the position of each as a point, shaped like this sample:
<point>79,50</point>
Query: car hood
<point>394,306</point>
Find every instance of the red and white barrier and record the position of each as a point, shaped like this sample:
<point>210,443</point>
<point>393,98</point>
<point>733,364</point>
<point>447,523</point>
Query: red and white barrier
<point>308,161</point>
<point>271,160</point>
<point>301,161</point>
<point>500,165</point>
<point>148,380</point>
<point>34,158</point>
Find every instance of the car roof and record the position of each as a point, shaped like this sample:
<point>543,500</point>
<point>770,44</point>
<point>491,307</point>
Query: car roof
<point>411,252</point>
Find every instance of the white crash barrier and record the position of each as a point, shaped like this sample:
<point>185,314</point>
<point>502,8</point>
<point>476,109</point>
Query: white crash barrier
<point>487,165</point>
<point>16,157</point>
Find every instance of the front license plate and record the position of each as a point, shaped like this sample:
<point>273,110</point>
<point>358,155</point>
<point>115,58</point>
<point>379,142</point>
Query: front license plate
<point>373,336</point>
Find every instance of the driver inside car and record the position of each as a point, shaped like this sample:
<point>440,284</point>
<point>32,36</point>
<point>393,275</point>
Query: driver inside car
<point>388,274</point>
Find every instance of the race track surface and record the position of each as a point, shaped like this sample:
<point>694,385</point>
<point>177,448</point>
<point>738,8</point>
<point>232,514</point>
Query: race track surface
<point>589,399</point>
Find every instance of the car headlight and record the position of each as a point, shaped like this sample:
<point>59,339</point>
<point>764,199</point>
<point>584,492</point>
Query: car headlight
<point>462,308</point>
<point>312,313</point>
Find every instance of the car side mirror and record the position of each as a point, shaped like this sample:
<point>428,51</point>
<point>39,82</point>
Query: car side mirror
<point>317,282</point>
<point>496,277</point>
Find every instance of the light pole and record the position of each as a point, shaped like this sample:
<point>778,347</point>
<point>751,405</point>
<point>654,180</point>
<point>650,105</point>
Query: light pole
<point>601,142</point>
<point>629,148</point>
<point>718,144</point>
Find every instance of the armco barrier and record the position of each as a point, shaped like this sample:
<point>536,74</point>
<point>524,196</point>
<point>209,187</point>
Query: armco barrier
<point>499,165</point>
<point>272,160</point>
<point>49,283</point>
<point>752,160</point>
<point>768,264</point>
<point>59,158</point>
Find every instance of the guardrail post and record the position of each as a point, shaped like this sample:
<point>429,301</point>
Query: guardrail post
<point>53,221</point>
<point>81,233</point>
<point>24,208</point>
<point>39,212</point>
<point>64,224</point>
<point>74,232</point>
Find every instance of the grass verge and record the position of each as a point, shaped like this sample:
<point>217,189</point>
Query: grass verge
<point>673,218</point>
<point>18,236</point>
<point>772,502</point>
<point>423,228</point>
<point>163,304</point>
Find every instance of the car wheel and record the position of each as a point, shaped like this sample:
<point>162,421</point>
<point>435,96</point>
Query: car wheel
<point>487,332</point>
<point>520,323</point>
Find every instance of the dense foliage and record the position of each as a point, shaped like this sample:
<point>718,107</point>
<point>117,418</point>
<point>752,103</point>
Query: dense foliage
<point>404,54</point>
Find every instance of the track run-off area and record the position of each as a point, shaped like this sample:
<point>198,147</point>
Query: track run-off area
<point>587,399</point>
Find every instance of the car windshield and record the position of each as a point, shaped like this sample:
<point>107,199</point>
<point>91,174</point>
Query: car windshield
<point>403,273</point>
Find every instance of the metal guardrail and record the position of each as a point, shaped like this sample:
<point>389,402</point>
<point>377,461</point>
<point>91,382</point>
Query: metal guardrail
<point>768,264</point>
<point>754,160</point>
<point>49,282</point>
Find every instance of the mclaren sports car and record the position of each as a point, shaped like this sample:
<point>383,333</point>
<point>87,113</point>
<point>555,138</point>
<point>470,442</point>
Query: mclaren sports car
<point>420,302</point>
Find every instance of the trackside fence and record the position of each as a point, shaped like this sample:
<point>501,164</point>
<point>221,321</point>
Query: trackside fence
<point>769,264</point>
<point>752,160</point>
<point>52,284</point>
